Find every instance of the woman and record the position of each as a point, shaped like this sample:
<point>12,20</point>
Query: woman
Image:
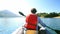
<point>31,22</point>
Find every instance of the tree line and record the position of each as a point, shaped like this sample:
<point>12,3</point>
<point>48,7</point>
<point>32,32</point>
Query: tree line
<point>48,15</point>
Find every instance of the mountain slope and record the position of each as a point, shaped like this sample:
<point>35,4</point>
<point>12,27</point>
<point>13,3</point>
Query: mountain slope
<point>6,13</point>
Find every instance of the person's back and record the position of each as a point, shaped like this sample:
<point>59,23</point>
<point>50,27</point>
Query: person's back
<point>31,22</point>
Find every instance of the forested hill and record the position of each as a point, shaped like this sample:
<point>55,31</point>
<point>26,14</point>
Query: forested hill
<point>48,15</point>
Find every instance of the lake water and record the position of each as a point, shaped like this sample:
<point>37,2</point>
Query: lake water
<point>9,25</point>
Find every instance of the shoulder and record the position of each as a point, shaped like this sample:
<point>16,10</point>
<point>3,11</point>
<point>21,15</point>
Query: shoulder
<point>28,15</point>
<point>32,15</point>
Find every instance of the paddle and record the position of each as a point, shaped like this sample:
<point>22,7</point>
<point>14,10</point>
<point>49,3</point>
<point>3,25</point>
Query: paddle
<point>57,31</point>
<point>21,13</point>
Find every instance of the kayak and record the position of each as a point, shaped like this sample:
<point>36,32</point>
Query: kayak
<point>20,31</point>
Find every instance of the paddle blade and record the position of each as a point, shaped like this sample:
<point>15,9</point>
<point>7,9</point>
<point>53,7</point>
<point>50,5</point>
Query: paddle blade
<point>21,13</point>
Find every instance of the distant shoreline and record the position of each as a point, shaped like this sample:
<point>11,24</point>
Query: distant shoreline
<point>57,17</point>
<point>52,17</point>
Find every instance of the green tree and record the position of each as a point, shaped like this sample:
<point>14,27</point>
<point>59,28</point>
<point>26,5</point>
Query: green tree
<point>50,15</point>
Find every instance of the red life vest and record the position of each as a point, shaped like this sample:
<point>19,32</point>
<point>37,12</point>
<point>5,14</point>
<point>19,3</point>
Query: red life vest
<point>31,21</point>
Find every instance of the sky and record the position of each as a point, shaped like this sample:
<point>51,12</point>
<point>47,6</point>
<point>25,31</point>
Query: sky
<point>26,5</point>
